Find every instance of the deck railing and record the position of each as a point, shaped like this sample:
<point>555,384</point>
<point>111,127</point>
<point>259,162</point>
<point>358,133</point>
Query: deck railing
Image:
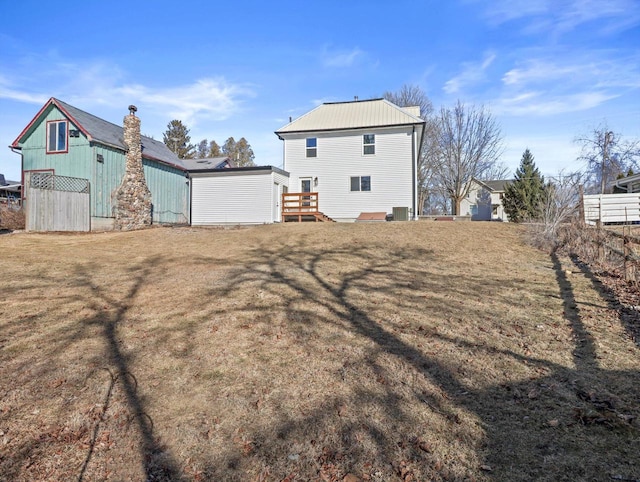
<point>299,202</point>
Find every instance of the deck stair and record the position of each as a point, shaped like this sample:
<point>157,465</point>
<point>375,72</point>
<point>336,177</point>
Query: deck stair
<point>301,207</point>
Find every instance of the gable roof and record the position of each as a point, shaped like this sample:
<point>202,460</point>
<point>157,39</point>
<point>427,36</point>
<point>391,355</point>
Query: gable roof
<point>103,132</point>
<point>208,163</point>
<point>498,185</point>
<point>357,114</point>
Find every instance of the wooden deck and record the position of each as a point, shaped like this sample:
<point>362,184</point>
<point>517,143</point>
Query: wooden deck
<point>302,206</point>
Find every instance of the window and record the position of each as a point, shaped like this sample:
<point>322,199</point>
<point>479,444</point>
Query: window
<point>361,183</point>
<point>57,136</point>
<point>312,147</point>
<point>369,143</point>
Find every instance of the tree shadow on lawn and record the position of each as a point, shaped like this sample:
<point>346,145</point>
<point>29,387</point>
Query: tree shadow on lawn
<point>108,304</point>
<point>405,396</point>
<point>551,423</point>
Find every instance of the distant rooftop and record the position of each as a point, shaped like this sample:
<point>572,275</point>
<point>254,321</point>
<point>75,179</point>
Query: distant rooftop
<point>497,185</point>
<point>208,163</point>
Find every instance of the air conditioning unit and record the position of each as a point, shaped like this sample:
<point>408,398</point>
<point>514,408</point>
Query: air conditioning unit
<point>401,214</point>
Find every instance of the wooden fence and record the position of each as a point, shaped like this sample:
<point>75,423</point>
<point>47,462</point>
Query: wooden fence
<point>57,203</point>
<point>611,208</point>
<point>616,247</point>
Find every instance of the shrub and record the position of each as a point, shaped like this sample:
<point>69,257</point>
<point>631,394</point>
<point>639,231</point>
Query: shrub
<point>11,218</point>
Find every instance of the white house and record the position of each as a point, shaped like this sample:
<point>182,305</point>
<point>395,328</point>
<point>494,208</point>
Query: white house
<point>484,201</point>
<point>359,157</point>
<point>627,184</point>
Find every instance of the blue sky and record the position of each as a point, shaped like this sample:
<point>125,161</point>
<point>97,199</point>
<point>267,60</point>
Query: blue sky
<point>548,70</point>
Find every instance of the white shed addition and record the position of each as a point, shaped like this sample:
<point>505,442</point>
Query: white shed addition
<point>242,195</point>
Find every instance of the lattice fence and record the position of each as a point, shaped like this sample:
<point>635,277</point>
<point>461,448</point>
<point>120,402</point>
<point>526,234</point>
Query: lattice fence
<point>51,182</point>
<point>57,203</point>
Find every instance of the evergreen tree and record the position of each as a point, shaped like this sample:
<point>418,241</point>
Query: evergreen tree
<point>202,149</point>
<point>244,154</point>
<point>214,150</point>
<point>178,140</point>
<point>240,152</point>
<point>522,198</point>
<point>229,148</point>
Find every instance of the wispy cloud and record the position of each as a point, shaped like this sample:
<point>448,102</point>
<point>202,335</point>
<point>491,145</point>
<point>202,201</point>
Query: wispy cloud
<point>210,98</point>
<point>340,58</point>
<point>10,90</point>
<point>472,73</point>
<point>544,104</point>
<point>561,16</point>
<point>104,84</point>
<point>547,86</point>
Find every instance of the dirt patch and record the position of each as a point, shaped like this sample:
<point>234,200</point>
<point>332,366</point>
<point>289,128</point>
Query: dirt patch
<point>391,351</point>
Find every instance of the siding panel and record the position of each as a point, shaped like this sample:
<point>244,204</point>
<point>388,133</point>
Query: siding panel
<point>169,193</point>
<point>237,198</point>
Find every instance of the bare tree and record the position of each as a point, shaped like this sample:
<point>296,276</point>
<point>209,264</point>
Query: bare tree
<point>412,95</point>
<point>469,142</point>
<point>498,171</point>
<point>606,157</point>
<point>558,205</point>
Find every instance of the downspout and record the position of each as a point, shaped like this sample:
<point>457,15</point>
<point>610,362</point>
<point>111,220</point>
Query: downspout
<point>190,182</point>
<point>414,168</point>
<point>23,190</point>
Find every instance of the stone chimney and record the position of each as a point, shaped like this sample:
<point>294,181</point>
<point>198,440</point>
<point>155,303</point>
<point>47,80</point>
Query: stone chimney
<point>132,207</point>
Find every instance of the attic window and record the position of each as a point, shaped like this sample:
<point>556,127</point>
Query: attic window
<point>57,136</point>
<point>312,147</point>
<point>369,143</point>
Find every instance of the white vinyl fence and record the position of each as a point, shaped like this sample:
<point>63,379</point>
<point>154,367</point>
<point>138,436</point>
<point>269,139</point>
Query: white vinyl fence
<point>612,208</point>
<point>57,203</point>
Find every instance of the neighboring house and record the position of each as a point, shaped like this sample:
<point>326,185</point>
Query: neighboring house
<point>629,184</point>
<point>208,163</point>
<point>484,201</point>
<point>67,141</point>
<point>9,192</point>
<point>359,156</point>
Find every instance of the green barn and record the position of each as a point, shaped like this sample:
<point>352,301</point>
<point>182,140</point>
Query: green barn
<point>66,141</point>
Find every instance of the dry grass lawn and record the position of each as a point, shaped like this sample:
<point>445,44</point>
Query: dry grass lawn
<point>394,351</point>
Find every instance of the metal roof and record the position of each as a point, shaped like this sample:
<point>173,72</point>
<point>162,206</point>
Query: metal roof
<point>357,114</point>
<point>104,132</point>
<point>7,185</point>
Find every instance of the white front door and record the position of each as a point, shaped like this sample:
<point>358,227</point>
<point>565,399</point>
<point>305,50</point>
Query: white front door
<point>276,202</point>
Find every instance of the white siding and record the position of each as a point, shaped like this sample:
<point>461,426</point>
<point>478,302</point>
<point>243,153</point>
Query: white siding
<point>281,181</point>
<point>234,198</point>
<point>340,156</point>
<point>612,208</point>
